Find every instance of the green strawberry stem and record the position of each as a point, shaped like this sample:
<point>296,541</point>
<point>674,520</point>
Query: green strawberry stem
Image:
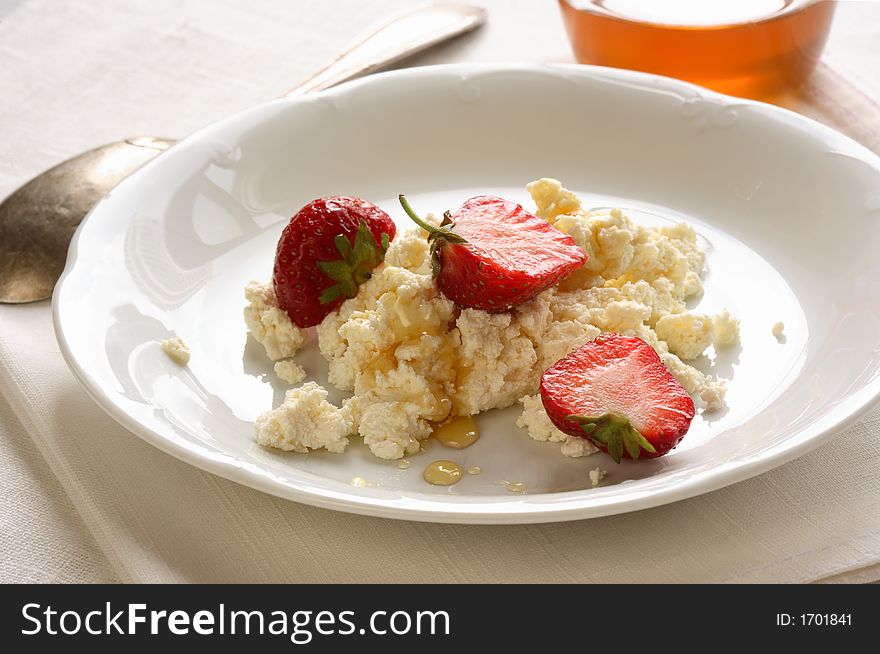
<point>437,236</point>
<point>415,217</point>
<point>615,433</point>
<point>435,232</point>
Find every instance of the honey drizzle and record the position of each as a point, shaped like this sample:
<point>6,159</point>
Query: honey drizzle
<point>442,473</point>
<point>458,433</point>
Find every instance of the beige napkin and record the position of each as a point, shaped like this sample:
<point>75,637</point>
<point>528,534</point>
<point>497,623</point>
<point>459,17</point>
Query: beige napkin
<point>42,538</point>
<point>91,72</point>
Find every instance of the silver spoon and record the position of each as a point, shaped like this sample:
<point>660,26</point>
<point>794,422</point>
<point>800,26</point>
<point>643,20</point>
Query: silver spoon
<point>38,220</point>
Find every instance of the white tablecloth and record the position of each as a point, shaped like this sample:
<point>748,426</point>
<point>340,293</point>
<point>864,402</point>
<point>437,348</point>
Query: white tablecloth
<point>85,500</point>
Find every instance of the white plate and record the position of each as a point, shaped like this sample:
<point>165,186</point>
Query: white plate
<point>788,210</point>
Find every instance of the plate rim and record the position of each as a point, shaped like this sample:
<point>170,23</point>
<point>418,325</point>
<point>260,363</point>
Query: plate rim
<point>570,505</point>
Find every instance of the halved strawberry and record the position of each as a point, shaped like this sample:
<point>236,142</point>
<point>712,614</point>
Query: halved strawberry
<point>327,250</point>
<point>493,254</point>
<point>616,392</point>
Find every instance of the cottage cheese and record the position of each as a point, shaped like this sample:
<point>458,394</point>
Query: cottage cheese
<point>536,421</point>
<point>687,335</point>
<point>726,330</point>
<point>290,372</point>
<point>707,389</point>
<point>539,427</point>
<point>304,421</point>
<point>411,358</point>
<point>552,200</point>
<point>392,346</point>
<point>575,447</point>
<point>270,324</point>
<point>176,349</point>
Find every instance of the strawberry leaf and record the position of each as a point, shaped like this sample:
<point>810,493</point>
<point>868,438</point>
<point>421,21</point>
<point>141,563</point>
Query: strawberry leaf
<point>330,294</point>
<point>343,246</point>
<point>615,433</point>
<point>355,265</point>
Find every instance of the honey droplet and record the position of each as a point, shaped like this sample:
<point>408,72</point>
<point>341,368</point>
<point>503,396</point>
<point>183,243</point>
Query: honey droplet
<point>404,464</point>
<point>360,482</point>
<point>442,473</point>
<point>516,487</point>
<point>458,433</point>
<point>474,470</point>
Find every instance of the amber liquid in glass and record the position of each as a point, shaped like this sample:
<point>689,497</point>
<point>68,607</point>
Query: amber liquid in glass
<point>752,48</point>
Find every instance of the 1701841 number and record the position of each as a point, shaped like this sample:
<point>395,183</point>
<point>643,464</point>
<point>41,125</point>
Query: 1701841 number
<point>826,619</point>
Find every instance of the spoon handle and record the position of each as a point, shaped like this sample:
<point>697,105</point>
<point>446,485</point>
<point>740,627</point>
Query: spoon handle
<point>399,37</point>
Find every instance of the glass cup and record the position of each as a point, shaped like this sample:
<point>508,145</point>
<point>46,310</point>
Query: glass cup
<point>761,49</point>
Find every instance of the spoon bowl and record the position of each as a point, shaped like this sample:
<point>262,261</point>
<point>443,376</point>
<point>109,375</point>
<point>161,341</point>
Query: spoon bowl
<point>38,220</point>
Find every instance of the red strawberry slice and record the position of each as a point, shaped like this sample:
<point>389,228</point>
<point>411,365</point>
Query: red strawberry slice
<point>616,392</point>
<point>327,250</point>
<point>493,254</point>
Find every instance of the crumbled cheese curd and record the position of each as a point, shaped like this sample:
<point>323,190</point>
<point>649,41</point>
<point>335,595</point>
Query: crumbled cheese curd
<point>536,421</point>
<point>305,421</point>
<point>687,335</point>
<point>779,329</point>
<point>726,330</point>
<point>290,372</point>
<point>412,359</point>
<point>176,349</point>
<point>551,199</point>
<point>270,324</point>
<point>392,347</point>
<point>539,427</point>
<point>596,476</point>
<point>575,447</point>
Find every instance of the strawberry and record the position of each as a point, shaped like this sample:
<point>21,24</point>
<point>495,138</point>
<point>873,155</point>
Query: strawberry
<point>493,254</point>
<point>327,250</point>
<point>616,392</point>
